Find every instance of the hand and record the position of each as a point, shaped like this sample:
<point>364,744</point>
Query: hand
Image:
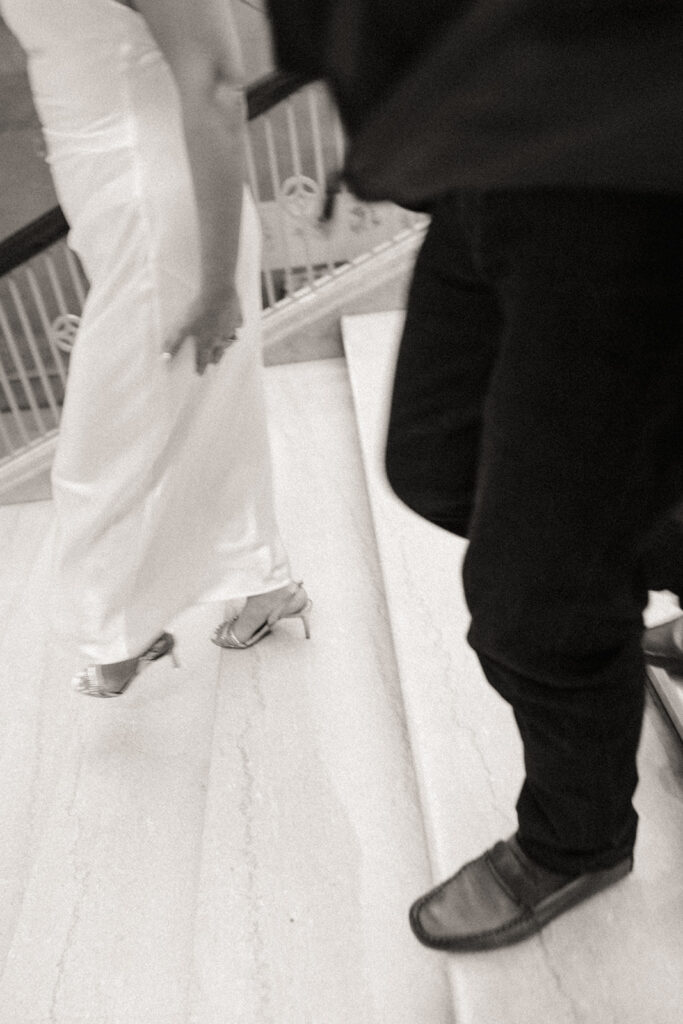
<point>212,323</point>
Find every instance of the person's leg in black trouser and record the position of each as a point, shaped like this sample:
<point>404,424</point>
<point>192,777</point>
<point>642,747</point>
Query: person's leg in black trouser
<point>579,459</point>
<point>445,361</point>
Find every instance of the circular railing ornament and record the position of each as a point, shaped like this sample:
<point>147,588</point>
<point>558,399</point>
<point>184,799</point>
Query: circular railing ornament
<point>300,196</point>
<point>64,331</point>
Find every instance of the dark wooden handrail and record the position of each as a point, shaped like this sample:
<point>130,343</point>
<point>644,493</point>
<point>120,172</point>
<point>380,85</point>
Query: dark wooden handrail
<point>262,95</point>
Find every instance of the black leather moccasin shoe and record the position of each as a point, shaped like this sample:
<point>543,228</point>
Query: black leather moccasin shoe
<point>663,646</point>
<point>501,898</point>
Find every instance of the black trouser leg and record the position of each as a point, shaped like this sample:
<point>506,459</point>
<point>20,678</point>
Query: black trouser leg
<point>577,462</point>
<point>445,361</point>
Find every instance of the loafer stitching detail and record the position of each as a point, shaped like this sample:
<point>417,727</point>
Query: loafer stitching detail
<point>471,940</point>
<point>526,923</point>
<point>501,881</point>
<point>525,916</point>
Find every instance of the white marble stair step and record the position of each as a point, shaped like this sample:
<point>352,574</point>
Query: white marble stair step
<point>313,840</point>
<point>107,853</point>
<point>129,895</point>
<point>24,555</point>
<point>22,533</point>
<point>615,958</point>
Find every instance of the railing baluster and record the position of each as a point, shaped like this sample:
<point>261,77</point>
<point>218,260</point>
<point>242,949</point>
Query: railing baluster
<point>320,171</point>
<point>32,343</point>
<point>75,274</point>
<point>5,438</point>
<point>56,286</point>
<point>339,140</point>
<point>253,181</point>
<point>8,392</point>
<point>295,150</point>
<point>21,371</point>
<point>275,182</point>
<point>46,324</point>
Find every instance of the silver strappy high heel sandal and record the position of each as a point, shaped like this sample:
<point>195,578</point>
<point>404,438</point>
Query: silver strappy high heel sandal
<point>289,608</point>
<point>91,682</point>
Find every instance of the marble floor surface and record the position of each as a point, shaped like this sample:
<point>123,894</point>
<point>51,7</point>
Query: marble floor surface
<point>616,958</point>
<point>235,842</point>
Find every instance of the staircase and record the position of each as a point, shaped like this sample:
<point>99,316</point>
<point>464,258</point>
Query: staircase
<point>238,842</point>
<point>616,958</point>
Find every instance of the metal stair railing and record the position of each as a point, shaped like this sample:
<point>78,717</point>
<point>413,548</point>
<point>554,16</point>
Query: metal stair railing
<point>295,142</point>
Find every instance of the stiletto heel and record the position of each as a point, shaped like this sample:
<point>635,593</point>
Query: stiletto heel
<point>305,617</point>
<point>90,681</point>
<point>224,635</point>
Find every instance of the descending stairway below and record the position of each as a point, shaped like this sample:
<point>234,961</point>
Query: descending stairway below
<point>616,958</point>
<point>237,842</point>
